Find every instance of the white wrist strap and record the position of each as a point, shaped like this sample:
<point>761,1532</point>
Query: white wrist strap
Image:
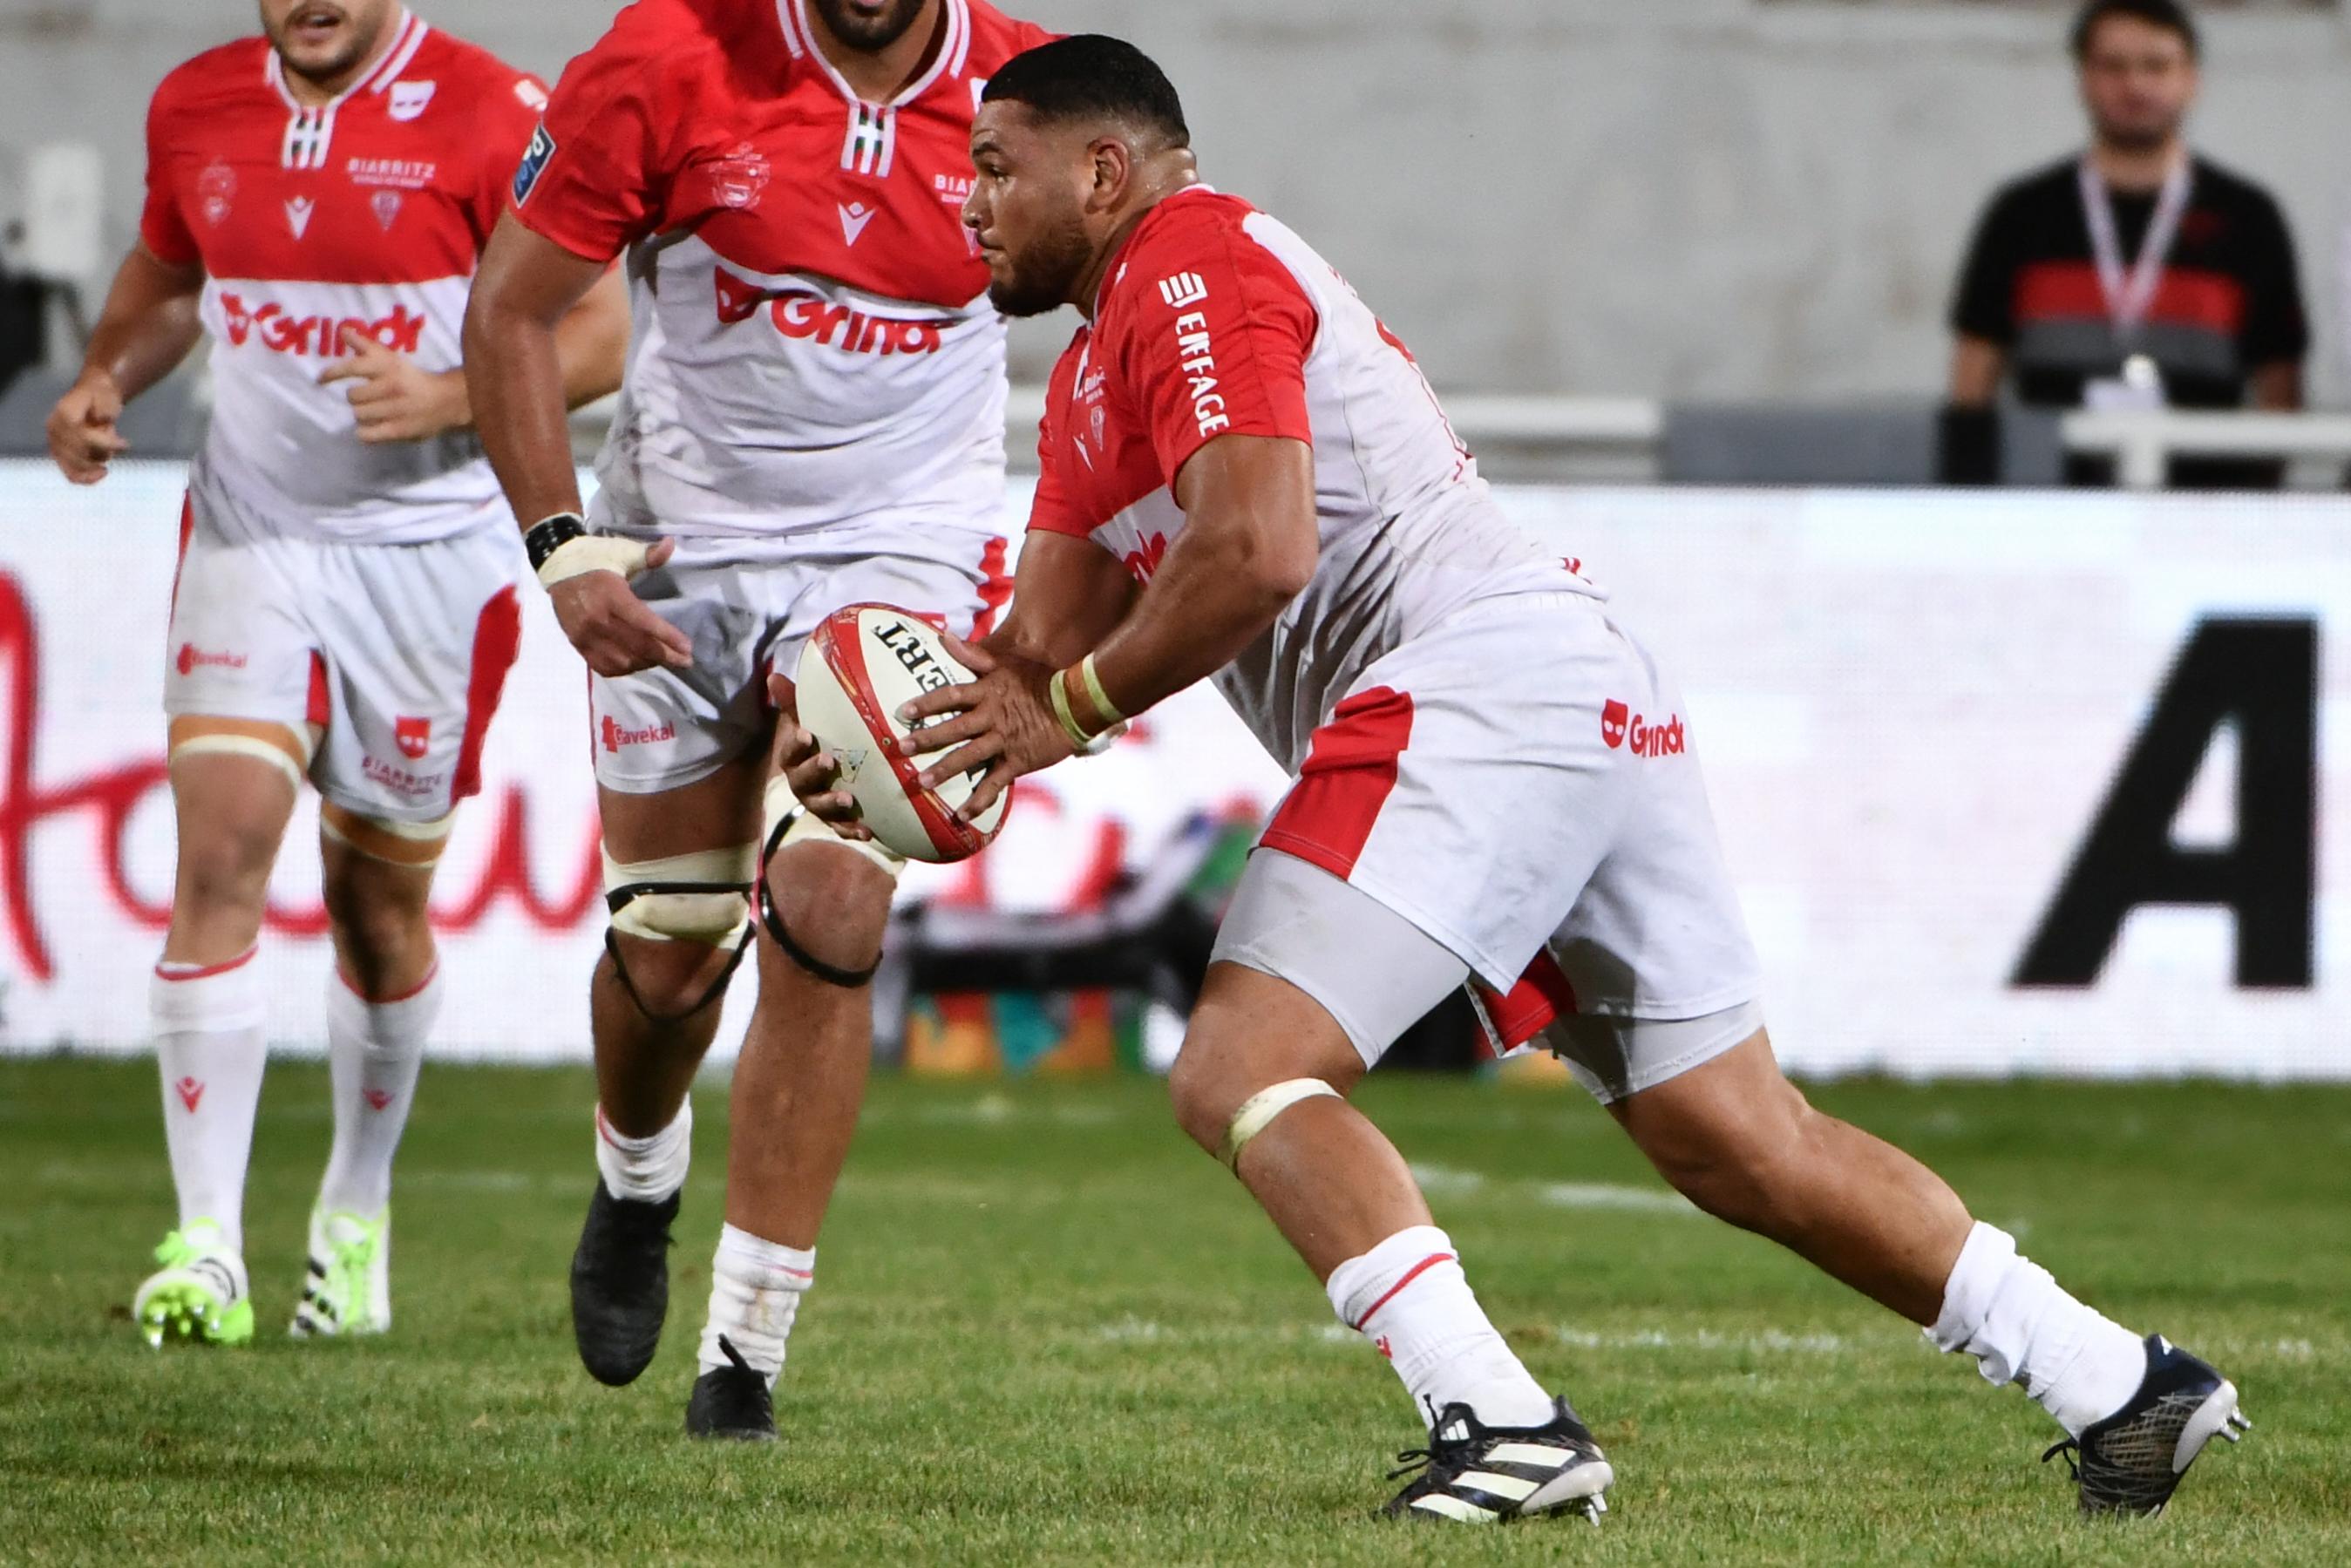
<point>593,552</point>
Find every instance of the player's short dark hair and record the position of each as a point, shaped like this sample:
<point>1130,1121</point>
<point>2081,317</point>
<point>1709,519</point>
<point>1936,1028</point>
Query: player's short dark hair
<point>2169,15</point>
<point>1090,76</point>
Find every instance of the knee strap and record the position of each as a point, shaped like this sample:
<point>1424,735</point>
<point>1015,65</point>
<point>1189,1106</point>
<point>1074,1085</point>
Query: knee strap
<point>417,845</point>
<point>1258,1112</point>
<point>216,744</point>
<point>702,898</point>
<point>792,826</point>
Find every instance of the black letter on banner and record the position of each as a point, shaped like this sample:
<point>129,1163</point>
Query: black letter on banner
<point>2263,676</point>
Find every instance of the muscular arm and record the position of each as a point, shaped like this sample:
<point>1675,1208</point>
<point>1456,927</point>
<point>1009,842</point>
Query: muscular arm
<point>1068,595</point>
<point>1249,546</point>
<point>149,324</point>
<point>1977,366</point>
<point>2277,387</point>
<point>520,379</point>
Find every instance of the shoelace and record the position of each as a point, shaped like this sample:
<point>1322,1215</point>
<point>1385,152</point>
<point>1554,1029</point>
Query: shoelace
<point>2069,1446</point>
<point>353,1261</point>
<point>1411,1460</point>
<point>726,1348</point>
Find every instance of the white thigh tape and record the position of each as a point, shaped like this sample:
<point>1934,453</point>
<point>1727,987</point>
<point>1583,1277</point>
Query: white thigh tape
<point>715,918</point>
<point>807,828</point>
<point>1258,1112</point>
<point>431,832</point>
<point>251,746</point>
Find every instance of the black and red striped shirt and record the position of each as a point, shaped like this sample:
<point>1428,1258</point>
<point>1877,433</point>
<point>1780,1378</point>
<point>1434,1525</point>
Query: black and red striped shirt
<point>2228,303</point>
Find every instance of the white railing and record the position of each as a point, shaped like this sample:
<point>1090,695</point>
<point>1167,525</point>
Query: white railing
<point>2143,442</point>
<point>1564,425</point>
<point>1627,430</point>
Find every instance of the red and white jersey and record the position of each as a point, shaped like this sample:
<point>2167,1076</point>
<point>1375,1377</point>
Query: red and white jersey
<point>813,342</point>
<point>1215,320</point>
<point>368,212</point>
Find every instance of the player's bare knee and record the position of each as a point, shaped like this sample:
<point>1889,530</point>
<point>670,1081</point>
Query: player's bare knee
<point>381,942</point>
<point>666,978</point>
<point>834,901</point>
<point>223,871</point>
<point>1736,1161</point>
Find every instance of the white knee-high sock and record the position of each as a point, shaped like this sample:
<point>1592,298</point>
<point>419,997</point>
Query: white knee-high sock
<point>1409,1297</point>
<point>210,1046</point>
<point>2022,1327</point>
<point>374,1051</point>
<point>754,1293</point>
<point>647,1169</point>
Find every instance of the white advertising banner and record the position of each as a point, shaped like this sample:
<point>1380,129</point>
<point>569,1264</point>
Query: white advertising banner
<point>2010,782</point>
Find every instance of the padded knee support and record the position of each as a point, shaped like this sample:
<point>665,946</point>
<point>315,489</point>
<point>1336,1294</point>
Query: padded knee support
<point>789,823</point>
<point>701,897</point>
<point>1258,1112</point>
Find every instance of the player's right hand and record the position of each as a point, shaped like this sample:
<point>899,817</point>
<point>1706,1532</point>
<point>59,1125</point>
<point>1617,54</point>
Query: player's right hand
<point>611,627</point>
<point>82,437</point>
<point>813,772</point>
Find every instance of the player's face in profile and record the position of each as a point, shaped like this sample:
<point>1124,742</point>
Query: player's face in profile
<point>868,24</point>
<point>2137,81</point>
<point>1028,208</point>
<point>322,39</point>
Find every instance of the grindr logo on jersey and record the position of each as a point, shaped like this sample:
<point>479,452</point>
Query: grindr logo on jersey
<point>533,163</point>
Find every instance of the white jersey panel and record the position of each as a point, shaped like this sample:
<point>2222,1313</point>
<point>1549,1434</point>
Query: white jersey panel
<point>760,406</point>
<point>283,455</point>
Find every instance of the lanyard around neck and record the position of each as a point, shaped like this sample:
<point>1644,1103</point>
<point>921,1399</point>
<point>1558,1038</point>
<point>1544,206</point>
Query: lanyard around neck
<point>2130,294</point>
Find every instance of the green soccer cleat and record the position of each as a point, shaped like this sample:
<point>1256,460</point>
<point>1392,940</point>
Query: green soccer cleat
<point>348,1290</point>
<point>199,1295</point>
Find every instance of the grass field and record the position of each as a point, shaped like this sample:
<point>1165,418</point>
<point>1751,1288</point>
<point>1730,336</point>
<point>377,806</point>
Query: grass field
<point>1046,1330</point>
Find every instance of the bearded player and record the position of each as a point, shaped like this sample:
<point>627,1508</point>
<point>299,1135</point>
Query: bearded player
<point>345,611</point>
<point>813,415</point>
<point>1245,478</point>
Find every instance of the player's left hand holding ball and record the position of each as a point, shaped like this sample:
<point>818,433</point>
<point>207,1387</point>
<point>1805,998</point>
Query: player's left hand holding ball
<point>393,398</point>
<point>1003,721</point>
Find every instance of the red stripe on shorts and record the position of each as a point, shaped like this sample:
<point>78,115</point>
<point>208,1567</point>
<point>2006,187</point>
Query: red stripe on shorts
<point>994,587</point>
<point>1415,1272</point>
<point>187,531</point>
<point>318,708</point>
<point>497,638</point>
<point>1541,999</point>
<point>1351,770</point>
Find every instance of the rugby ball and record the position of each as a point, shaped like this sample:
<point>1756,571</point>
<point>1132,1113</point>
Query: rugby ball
<point>863,662</point>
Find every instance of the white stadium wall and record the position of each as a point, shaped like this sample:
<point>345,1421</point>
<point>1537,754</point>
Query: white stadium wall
<point>1722,199</point>
<point>1913,710</point>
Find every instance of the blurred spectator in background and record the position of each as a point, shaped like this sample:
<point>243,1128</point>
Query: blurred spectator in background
<point>2134,276</point>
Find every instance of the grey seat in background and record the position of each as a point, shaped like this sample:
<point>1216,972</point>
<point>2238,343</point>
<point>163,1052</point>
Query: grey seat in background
<point>1714,443</point>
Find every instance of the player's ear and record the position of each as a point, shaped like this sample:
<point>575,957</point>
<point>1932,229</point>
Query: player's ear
<point>1114,168</point>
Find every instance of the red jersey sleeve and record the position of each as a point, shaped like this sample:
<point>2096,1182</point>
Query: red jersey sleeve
<point>596,175</point>
<point>1050,512</point>
<point>1215,336</point>
<point>505,119</point>
<point>163,225</point>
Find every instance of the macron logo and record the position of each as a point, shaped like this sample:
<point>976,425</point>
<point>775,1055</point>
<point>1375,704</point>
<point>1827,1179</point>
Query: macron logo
<point>854,216</point>
<point>1184,290</point>
<point>298,215</point>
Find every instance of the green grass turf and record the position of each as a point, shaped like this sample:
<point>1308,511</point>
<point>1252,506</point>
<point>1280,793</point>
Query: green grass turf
<point>1048,1331</point>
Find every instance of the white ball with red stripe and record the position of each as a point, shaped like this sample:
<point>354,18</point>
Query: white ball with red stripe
<point>860,664</point>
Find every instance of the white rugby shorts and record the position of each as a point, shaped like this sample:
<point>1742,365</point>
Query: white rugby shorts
<point>399,652</point>
<point>1520,785</point>
<point>748,608</point>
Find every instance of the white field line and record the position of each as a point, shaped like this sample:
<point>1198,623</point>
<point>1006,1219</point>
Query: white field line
<point>1448,1181</point>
